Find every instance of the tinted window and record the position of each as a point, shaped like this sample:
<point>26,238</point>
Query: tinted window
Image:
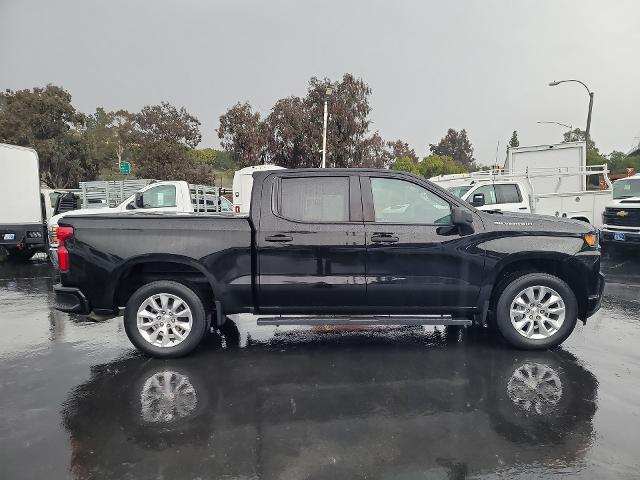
<point>508,193</point>
<point>399,201</point>
<point>489,194</point>
<point>160,197</point>
<point>317,199</point>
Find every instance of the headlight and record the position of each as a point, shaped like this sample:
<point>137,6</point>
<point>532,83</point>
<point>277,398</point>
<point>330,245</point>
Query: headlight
<point>591,239</point>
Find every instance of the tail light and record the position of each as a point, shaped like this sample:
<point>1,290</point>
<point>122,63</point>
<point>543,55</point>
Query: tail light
<point>64,233</point>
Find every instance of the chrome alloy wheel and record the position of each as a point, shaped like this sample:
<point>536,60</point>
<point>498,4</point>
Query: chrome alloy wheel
<point>537,312</point>
<point>535,388</point>
<point>164,320</point>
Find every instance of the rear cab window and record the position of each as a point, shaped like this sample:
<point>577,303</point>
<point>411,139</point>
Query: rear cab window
<point>509,193</point>
<point>314,199</point>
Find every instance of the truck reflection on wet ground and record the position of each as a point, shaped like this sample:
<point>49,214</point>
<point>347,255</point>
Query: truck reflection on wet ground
<point>270,402</point>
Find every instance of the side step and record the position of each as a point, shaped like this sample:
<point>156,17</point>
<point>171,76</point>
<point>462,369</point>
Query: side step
<point>364,320</point>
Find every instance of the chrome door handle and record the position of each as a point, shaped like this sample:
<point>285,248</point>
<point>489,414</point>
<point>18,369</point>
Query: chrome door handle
<point>384,238</point>
<point>278,238</point>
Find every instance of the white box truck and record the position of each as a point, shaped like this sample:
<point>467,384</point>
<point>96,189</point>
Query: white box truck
<point>543,179</point>
<point>22,227</point>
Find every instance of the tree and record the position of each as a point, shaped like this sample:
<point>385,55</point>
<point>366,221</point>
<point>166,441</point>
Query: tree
<point>44,119</point>
<point>110,137</point>
<point>405,164</point>
<point>514,142</point>
<point>594,157</point>
<point>218,159</point>
<point>164,136</point>
<point>289,139</point>
<point>242,133</point>
<point>398,149</point>
<point>435,165</point>
<point>291,135</point>
<point>348,124</point>
<point>457,146</point>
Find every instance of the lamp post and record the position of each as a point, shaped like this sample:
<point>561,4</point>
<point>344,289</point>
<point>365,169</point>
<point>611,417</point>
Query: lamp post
<point>570,127</point>
<point>588,130</point>
<point>327,92</point>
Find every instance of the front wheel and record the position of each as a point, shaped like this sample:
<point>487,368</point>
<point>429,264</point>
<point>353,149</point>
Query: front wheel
<point>165,319</point>
<point>536,311</point>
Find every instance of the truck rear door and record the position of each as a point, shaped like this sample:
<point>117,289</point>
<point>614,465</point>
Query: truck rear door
<point>310,243</point>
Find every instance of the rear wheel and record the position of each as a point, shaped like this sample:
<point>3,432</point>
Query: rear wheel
<point>536,311</point>
<point>165,319</point>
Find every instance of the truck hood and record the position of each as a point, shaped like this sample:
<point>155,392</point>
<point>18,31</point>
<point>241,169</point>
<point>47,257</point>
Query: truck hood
<point>82,211</point>
<point>527,222</point>
<point>631,202</point>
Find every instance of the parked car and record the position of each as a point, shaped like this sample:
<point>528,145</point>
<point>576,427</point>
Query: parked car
<point>621,218</point>
<point>322,245</point>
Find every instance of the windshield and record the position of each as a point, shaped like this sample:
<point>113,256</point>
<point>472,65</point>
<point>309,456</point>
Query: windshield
<point>626,188</point>
<point>459,191</point>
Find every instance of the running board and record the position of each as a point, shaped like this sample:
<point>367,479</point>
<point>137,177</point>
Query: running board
<point>364,320</point>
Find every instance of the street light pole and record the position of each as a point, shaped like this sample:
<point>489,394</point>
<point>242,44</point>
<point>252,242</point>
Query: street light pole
<point>328,92</point>
<point>587,132</point>
<point>570,127</point>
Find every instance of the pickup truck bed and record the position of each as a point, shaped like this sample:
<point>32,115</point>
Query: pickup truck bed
<point>386,246</point>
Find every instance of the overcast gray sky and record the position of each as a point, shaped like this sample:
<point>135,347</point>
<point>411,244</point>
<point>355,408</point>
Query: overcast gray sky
<point>479,65</point>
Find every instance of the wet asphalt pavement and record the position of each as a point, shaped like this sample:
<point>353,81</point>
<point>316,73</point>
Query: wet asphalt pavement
<point>77,401</point>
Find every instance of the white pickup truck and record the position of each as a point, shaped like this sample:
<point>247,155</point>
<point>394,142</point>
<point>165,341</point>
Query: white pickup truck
<point>518,193</point>
<point>542,179</point>
<point>168,196</point>
<point>621,217</point>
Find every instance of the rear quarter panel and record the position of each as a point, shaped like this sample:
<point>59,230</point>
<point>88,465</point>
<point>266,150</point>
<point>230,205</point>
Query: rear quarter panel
<point>104,247</point>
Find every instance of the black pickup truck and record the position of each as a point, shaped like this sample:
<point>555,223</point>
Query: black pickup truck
<point>332,246</point>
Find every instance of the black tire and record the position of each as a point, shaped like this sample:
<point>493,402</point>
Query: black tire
<point>184,293</point>
<point>517,285</point>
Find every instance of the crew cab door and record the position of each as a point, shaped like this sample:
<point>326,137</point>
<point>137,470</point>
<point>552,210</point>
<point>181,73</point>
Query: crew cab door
<point>310,243</point>
<point>417,261</point>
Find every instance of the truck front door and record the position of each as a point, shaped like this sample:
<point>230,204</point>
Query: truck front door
<point>310,244</point>
<point>417,261</point>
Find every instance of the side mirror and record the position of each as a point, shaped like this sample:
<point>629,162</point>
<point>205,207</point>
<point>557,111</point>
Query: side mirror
<point>139,200</point>
<point>478,200</point>
<point>463,219</point>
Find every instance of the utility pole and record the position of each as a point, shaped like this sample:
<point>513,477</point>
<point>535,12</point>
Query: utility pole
<point>587,132</point>
<point>324,130</point>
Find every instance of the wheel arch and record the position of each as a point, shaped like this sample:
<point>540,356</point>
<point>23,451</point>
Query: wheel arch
<point>557,265</point>
<point>147,268</point>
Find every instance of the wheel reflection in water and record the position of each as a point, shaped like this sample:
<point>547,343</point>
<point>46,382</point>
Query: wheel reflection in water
<point>167,396</point>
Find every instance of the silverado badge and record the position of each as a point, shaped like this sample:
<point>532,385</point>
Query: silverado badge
<point>622,213</point>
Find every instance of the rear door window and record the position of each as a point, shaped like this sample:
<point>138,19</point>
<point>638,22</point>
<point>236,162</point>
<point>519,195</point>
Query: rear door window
<point>508,193</point>
<point>314,199</point>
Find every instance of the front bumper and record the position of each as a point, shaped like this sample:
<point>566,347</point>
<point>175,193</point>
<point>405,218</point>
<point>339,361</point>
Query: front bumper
<point>630,238</point>
<point>594,301</point>
<point>71,300</point>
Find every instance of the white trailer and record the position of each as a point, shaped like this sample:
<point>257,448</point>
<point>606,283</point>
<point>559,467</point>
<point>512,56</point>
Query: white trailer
<point>22,228</point>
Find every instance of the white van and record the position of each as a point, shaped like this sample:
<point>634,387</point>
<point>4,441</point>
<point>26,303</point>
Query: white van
<point>242,184</point>
<point>22,227</point>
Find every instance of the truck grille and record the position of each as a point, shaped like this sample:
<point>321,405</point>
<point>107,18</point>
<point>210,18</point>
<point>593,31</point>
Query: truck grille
<point>612,216</point>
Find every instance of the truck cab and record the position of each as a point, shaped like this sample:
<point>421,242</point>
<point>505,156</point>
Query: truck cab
<point>621,218</point>
<point>503,196</point>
